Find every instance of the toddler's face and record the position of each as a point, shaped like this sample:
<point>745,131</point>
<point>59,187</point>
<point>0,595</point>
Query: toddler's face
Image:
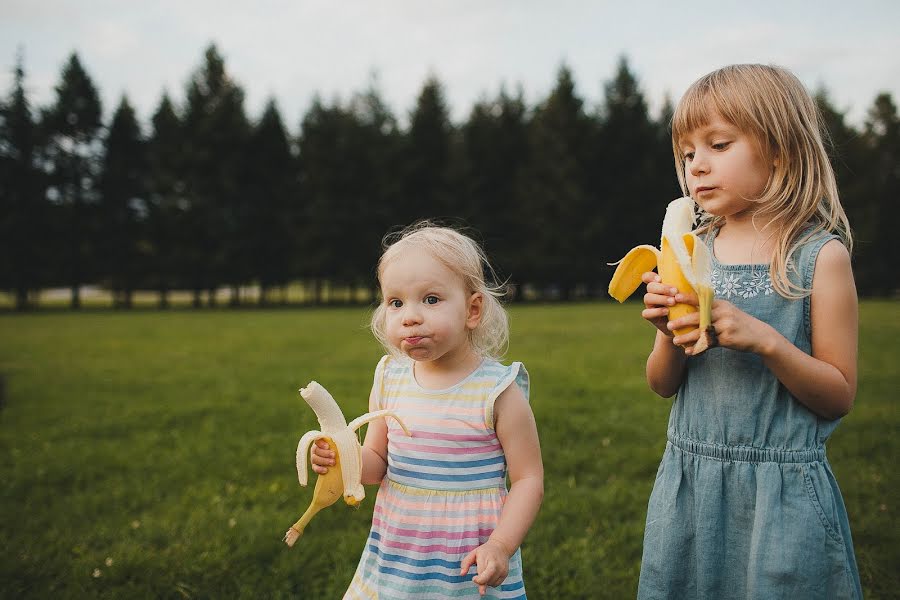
<point>428,310</point>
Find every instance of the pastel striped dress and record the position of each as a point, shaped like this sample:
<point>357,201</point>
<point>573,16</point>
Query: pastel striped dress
<point>444,487</point>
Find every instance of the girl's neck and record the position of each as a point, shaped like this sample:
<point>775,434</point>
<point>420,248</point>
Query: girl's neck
<point>447,370</point>
<point>741,239</point>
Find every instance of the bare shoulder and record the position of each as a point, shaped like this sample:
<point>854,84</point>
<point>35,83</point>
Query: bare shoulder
<point>833,268</point>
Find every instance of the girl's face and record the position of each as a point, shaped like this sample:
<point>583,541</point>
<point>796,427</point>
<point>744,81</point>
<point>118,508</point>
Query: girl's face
<point>723,168</point>
<point>428,311</point>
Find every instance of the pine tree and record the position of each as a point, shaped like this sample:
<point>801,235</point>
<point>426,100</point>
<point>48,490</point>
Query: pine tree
<point>72,127</point>
<point>123,206</point>
<point>23,233</point>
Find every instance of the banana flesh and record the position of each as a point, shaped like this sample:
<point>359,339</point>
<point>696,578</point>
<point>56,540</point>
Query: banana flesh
<point>344,478</point>
<point>683,262</point>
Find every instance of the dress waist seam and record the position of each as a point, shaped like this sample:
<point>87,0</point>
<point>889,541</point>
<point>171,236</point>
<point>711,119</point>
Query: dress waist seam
<point>749,454</point>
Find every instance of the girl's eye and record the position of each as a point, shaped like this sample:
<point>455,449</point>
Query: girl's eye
<point>395,303</point>
<point>721,145</point>
<point>431,299</point>
<point>688,156</point>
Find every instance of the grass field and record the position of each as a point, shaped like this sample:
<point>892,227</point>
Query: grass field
<point>151,455</point>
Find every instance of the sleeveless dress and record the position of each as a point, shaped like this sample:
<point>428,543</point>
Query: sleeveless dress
<point>444,489</point>
<point>745,504</point>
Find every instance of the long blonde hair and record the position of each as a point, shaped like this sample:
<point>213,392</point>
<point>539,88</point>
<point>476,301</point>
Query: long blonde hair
<point>801,197</point>
<point>465,257</point>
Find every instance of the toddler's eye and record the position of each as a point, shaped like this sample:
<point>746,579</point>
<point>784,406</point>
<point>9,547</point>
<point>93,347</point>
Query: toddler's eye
<point>395,303</point>
<point>431,299</point>
<point>721,145</point>
<point>688,156</point>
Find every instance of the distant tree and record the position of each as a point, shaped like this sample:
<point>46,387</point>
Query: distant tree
<point>216,133</point>
<point>72,126</point>
<point>23,234</point>
<point>168,240</point>
<point>427,158</point>
<point>273,202</point>
<point>879,252</point>
<point>496,153</point>
<point>634,165</point>
<point>123,206</point>
<point>555,196</point>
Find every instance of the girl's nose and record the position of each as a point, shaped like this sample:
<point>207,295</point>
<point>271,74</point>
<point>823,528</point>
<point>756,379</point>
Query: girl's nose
<point>411,315</point>
<point>699,165</point>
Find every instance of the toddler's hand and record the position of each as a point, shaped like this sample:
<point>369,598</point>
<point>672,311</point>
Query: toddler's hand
<point>321,457</point>
<point>492,560</point>
<point>657,301</point>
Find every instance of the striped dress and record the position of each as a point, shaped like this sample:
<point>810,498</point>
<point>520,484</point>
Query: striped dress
<point>444,487</point>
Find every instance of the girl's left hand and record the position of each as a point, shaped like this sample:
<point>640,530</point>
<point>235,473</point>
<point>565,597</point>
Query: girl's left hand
<point>734,328</point>
<point>492,560</point>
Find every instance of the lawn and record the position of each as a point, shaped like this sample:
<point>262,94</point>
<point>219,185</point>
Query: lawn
<point>151,454</point>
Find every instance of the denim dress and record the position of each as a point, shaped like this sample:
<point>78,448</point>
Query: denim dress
<point>745,504</point>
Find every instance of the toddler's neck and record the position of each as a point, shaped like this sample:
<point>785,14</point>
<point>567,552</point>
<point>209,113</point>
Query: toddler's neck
<point>446,371</point>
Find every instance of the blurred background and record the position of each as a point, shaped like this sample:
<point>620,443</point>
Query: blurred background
<point>199,156</point>
<point>192,154</point>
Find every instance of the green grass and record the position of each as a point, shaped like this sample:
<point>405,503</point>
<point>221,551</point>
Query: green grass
<point>151,454</point>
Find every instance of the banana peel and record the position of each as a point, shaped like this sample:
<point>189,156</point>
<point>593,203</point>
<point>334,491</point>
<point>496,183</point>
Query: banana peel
<point>683,262</point>
<point>344,478</point>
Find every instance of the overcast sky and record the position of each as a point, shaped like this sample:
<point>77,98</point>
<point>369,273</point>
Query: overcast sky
<point>292,49</point>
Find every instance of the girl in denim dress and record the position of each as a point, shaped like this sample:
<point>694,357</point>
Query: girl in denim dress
<point>745,504</point>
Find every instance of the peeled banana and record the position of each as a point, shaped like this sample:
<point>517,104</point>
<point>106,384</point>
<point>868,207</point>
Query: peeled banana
<point>345,476</point>
<point>683,262</point>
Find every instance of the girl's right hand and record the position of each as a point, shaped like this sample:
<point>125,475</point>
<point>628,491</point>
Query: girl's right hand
<point>321,457</point>
<point>657,301</point>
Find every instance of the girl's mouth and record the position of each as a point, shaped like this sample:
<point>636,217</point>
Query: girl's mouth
<point>412,341</point>
<point>703,190</point>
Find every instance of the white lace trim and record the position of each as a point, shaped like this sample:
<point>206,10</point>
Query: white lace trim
<point>744,284</point>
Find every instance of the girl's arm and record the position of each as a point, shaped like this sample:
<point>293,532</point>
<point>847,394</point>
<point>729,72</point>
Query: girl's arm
<point>517,432</point>
<point>666,363</point>
<point>374,451</point>
<point>826,380</point>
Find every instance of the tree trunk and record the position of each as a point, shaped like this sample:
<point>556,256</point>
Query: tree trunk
<point>76,297</point>
<point>163,298</point>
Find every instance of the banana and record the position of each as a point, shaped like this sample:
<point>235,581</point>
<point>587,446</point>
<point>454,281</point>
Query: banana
<point>683,262</point>
<point>344,477</point>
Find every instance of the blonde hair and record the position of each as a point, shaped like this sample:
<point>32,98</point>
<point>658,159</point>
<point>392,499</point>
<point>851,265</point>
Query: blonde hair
<point>801,197</point>
<point>463,256</point>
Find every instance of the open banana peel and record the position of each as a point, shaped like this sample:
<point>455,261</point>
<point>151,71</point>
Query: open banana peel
<point>344,478</point>
<point>683,262</point>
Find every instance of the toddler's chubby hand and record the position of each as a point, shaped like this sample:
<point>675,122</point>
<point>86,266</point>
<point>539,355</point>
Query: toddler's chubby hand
<point>492,560</point>
<point>321,457</point>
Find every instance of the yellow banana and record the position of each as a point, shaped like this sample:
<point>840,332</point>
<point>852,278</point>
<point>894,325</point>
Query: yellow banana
<point>683,262</point>
<point>344,478</point>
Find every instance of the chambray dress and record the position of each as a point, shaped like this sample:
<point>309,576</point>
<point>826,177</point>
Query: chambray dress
<point>745,504</point>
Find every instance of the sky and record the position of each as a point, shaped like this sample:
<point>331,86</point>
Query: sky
<point>293,50</point>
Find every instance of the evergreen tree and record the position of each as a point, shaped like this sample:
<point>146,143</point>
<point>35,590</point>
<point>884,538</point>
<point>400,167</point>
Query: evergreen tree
<point>495,140</point>
<point>634,159</point>
<point>72,126</point>
<point>216,133</point>
<point>878,247</point>
<point>427,157</point>
<point>166,205</point>
<point>123,206</point>
<point>273,203</point>
<point>555,196</point>
<point>23,234</point>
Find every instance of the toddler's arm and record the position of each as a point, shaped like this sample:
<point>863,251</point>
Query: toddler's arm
<point>517,432</point>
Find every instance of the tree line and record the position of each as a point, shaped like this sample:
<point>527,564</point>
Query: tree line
<point>209,197</point>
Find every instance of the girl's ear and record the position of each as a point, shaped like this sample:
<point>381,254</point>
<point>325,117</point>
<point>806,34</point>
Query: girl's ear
<point>474,310</point>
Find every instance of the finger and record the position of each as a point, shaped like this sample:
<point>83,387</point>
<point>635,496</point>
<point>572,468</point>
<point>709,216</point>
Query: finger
<point>688,320</point>
<point>687,298</point>
<point>658,300</point>
<point>650,277</point>
<point>688,338</point>
<point>484,577</point>
<point>660,288</point>
<point>467,563</point>
<point>482,589</point>
<point>654,313</point>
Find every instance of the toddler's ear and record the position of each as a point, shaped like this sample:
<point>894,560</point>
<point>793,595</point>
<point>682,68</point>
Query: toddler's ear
<point>474,310</point>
